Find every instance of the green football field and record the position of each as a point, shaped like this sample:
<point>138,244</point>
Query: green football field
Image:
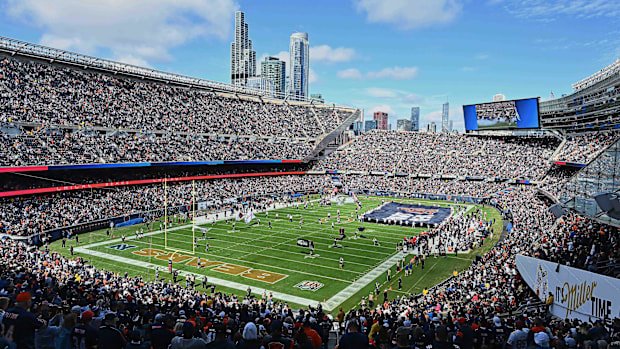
<point>269,260</point>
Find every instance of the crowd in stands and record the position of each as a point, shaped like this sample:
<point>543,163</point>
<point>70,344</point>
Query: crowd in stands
<point>583,148</point>
<point>443,154</point>
<point>422,185</point>
<point>67,301</point>
<point>39,93</point>
<point>582,243</point>
<point>49,301</point>
<point>34,214</point>
<point>61,147</point>
<point>472,309</point>
<point>68,304</point>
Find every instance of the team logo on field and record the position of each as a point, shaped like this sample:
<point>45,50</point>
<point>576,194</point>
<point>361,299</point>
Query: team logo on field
<point>309,285</point>
<point>122,247</point>
<point>417,210</point>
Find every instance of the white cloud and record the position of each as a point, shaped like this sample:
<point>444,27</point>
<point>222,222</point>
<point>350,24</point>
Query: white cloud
<point>393,94</point>
<point>550,10</point>
<point>394,73</point>
<point>350,73</point>
<point>467,69</point>
<point>327,54</point>
<point>137,61</point>
<point>409,14</point>
<point>383,108</point>
<point>381,92</point>
<point>312,76</point>
<point>137,31</point>
<point>482,56</point>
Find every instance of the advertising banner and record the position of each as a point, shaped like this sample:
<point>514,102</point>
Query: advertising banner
<point>576,293</point>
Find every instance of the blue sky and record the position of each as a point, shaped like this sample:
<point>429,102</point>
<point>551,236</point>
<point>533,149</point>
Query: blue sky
<point>384,55</point>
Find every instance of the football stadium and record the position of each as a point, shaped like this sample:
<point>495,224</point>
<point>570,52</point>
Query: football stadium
<point>143,208</point>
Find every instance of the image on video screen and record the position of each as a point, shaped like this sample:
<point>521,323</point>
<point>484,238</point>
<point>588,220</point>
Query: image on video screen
<point>497,115</point>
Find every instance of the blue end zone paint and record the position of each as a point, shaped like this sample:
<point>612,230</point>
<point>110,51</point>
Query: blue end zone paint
<point>394,213</point>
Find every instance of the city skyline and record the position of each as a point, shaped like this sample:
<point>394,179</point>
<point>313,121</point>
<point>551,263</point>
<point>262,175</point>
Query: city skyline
<point>389,55</point>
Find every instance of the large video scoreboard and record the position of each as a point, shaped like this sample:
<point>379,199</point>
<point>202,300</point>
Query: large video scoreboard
<point>505,115</point>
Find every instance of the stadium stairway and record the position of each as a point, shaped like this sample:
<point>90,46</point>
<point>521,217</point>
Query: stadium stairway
<point>318,122</point>
<point>330,137</point>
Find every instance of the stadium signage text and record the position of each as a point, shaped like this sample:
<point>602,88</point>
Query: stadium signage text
<point>220,267</point>
<point>577,294</point>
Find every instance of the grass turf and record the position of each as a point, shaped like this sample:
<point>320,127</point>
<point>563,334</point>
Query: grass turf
<point>275,250</point>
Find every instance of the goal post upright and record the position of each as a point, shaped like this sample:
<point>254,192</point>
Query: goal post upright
<point>165,213</point>
<point>193,215</point>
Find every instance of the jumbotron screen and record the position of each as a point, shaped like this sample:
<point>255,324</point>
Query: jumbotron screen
<point>515,114</point>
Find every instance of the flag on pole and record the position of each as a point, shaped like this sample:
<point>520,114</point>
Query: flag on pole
<point>552,95</point>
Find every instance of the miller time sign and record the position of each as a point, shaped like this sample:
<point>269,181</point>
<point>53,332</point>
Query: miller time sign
<point>576,293</point>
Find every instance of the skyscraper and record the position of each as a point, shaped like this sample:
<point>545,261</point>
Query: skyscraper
<point>403,125</point>
<point>242,57</point>
<point>382,120</point>
<point>370,125</point>
<point>300,66</point>
<point>415,119</point>
<point>445,117</point>
<point>451,126</point>
<point>431,127</point>
<point>274,70</point>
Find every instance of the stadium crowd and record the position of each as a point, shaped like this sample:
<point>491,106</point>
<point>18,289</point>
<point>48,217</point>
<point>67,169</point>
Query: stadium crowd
<point>443,154</point>
<point>69,302</point>
<point>581,243</point>
<point>49,301</point>
<point>58,147</point>
<point>474,308</point>
<point>422,185</point>
<point>44,94</point>
<point>582,148</point>
<point>31,215</point>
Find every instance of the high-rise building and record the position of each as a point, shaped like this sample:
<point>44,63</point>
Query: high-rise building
<point>358,127</point>
<point>431,127</point>
<point>382,120</point>
<point>451,126</point>
<point>260,83</point>
<point>242,57</point>
<point>499,98</point>
<point>403,125</point>
<point>300,66</point>
<point>415,119</point>
<point>274,70</point>
<point>445,117</point>
<point>370,125</point>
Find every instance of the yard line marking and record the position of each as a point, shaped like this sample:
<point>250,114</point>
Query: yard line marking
<point>88,248</point>
<point>216,249</point>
